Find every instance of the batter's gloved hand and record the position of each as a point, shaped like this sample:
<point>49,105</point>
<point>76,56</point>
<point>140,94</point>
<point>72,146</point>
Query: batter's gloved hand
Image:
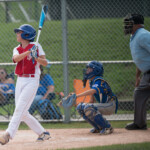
<point>34,51</point>
<point>68,101</point>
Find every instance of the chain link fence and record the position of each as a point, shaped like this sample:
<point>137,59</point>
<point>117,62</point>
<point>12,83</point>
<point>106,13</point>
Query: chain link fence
<point>75,32</point>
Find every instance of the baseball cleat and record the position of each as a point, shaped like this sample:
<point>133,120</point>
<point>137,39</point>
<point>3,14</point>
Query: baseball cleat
<point>4,139</point>
<point>106,131</point>
<point>93,130</point>
<point>44,136</point>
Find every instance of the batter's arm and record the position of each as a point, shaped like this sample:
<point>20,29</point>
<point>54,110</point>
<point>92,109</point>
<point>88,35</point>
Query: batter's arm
<point>42,60</point>
<point>17,58</point>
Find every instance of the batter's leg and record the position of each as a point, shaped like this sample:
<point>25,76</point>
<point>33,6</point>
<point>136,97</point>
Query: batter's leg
<point>28,90</point>
<point>33,124</point>
<point>34,104</point>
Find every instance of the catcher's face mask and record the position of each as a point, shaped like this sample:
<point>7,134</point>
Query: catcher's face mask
<point>87,75</point>
<point>130,20</point>
<point>128,24</point>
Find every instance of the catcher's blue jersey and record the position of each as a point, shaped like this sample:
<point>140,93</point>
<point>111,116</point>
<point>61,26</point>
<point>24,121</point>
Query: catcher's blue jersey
<point>103,91</point>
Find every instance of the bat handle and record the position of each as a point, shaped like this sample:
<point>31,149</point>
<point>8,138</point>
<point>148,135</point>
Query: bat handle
<point>33,61</point>
<point>36,43</point>
<point>37,39</point>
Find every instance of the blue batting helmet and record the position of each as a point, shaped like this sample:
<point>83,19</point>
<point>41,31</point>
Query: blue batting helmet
<point>29,32</point>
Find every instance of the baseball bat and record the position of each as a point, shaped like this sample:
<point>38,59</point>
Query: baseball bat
<point>41,23</point>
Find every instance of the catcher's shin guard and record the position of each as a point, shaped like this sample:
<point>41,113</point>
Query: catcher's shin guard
<point>80,108</point>
<point>100,121</point>
<point>91,122</point>
<point>92,114</point>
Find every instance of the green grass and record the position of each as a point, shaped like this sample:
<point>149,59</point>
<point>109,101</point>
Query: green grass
<point>62,125</point>
<point>133,146</point>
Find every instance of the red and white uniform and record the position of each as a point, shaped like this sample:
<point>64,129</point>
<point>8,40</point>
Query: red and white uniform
<point>26,66</point>
<point>26,88</point>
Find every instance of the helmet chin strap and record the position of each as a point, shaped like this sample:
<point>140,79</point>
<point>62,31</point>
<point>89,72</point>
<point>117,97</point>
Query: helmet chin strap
<point>84,82</point>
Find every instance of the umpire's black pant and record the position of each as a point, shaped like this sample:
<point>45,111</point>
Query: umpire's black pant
<point>141,95</point>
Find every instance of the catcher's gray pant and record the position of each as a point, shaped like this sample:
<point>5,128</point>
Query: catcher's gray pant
<point>106,108</point>
<point>141,95</point>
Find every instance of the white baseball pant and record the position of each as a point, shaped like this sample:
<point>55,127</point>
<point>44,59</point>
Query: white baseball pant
<point>26,88</point>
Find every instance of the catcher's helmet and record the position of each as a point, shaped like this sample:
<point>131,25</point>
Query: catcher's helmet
<point>97,71</point>
<point>29,32</point>
<point>130,20</point>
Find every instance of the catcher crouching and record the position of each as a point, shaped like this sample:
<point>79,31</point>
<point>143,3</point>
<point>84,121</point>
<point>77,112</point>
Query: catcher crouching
<point>102,102</point>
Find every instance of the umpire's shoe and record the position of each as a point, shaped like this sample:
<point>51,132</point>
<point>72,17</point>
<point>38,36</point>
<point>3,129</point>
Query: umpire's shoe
<point>133,126</point>
<point>44,136</point>
<point>4,139</point>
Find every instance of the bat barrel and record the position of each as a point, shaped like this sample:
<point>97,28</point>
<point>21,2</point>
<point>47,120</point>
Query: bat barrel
<point>43,15</point>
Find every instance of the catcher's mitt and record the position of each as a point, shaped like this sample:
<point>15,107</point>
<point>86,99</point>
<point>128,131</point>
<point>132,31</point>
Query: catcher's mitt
<point>68,101</point>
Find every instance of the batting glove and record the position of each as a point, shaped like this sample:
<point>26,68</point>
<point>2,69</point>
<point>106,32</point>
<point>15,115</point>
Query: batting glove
<point>34,52</point>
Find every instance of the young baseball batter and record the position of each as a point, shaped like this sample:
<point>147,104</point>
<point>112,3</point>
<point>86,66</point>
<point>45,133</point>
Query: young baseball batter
<point>28,74</point>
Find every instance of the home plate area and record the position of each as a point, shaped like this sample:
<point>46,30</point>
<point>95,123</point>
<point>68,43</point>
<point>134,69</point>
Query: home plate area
<point>74,138</point>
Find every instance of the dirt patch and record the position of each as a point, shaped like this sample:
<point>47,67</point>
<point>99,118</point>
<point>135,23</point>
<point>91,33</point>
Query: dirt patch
<point>74,138</point>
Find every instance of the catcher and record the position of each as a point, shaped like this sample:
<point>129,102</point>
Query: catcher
<point>101,93</point>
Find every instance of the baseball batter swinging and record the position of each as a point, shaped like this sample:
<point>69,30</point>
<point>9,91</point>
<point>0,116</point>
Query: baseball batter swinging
<point>28,74</point>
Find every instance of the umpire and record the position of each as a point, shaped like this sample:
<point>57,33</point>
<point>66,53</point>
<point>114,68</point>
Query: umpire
<point>140,51</point>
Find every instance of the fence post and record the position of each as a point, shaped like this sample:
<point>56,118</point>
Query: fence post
<point>6,12</point>
<point>65,56</point>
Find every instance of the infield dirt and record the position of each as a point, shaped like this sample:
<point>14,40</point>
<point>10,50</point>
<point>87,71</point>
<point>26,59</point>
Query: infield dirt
<point>74,138</point>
